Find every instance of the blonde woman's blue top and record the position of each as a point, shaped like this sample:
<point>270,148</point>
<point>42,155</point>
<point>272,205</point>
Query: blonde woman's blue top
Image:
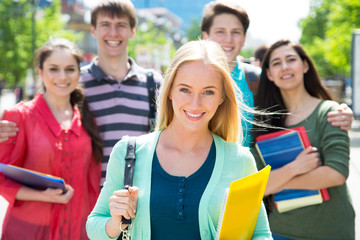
<point>232,162</point>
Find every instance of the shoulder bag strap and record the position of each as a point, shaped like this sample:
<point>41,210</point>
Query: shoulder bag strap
<point>150,84</point>
<point>129,168</point>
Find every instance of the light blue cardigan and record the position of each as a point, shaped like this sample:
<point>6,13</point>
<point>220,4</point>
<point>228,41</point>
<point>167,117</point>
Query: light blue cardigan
<point>232,162</point>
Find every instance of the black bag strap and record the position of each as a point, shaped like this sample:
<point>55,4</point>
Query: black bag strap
<point>151,86</point>
<point>129,168</point>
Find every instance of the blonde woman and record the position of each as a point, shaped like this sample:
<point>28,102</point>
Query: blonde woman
<point>182,169</point>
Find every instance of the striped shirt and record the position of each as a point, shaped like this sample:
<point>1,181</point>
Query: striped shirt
<point>119,108</point>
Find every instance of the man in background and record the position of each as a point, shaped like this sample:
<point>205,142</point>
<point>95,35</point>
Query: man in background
<point>119,92</point>
<point>259,54</point>
<point>226,23</point>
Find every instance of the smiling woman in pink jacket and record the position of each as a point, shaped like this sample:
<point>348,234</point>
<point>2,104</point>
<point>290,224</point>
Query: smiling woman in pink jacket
<point>57,136</point>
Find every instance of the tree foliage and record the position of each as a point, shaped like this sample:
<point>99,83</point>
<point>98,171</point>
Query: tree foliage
<point>194,31</point>
<point>157,41</point>
<point>16,35</point>
<point>247,52</point>
<point>145,34</point>
<point>327,34</point>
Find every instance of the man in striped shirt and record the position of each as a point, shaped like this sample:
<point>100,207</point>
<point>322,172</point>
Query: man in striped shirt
<point>117,89</point>
<point>115,86</point>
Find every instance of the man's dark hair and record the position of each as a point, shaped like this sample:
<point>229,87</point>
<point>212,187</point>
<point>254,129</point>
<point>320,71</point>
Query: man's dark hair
<point>114,8</point>
<point>214,8</point>
<point>260,52</point>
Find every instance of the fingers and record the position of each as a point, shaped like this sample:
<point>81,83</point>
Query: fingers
<point>65,197</point>
<point>134,192</point>
<point>313,154</point>
<point>5,123</point>
<point>342,118</point>
<point>7,130</point>
<point>121,210</point>
<point>56,195</point>
<point>310,149</point>
<point>69,189</point>
<point>306,161</point>
<point>53,191</point>
<point>347,127</point>
<point>123,203</point>
<point>344,107</point>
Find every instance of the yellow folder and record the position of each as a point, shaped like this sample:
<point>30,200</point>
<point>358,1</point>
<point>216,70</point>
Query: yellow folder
<point>242,205</point>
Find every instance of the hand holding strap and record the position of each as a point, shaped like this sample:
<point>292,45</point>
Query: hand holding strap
<point>129,169</point>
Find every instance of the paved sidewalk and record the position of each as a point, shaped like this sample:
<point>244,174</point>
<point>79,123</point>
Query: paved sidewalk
<point>354,176</point>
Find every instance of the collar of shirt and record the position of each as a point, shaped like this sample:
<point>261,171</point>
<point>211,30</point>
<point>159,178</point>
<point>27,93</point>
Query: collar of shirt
<point>99,75</point>
<point>239,66</point>
<point>236,73</point>
<point>53,124</point>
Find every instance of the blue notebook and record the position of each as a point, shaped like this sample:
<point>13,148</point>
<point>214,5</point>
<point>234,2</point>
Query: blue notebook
<point>280,150</point>
<point>32,178</point>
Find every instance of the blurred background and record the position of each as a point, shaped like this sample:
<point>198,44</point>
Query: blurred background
<point>328,29</point>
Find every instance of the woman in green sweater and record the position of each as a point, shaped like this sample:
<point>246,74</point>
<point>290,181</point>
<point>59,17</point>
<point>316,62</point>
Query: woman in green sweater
<point>183,169</point>
<point>290,84</point>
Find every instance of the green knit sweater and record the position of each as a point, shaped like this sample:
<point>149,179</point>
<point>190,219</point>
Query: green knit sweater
<point>333,219</point>
<point>232,162</point>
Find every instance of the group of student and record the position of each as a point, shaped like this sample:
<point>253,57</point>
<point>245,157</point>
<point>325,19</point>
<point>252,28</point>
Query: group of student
<point>205,117</point>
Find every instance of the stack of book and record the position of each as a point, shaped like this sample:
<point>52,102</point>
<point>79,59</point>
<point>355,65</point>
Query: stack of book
<point>280,148</point>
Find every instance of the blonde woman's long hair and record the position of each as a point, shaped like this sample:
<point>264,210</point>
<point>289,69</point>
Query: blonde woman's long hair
<point>226,121</point>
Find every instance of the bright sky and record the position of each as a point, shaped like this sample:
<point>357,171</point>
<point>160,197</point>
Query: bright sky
<point>271,20</point>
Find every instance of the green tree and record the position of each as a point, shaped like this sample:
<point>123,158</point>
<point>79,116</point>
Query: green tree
<point>194,31</point>
<point>152,38</point>
<point>327,34</point>
<point>247,52</point>
<point>146,33</point>
<point>16,36</point>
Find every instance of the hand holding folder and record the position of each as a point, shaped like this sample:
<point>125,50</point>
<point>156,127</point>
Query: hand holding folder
<point>242,205</point>
<point>32,178</point>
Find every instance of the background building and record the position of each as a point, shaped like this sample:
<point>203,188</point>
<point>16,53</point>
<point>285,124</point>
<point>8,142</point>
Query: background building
<point>187,10</point>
